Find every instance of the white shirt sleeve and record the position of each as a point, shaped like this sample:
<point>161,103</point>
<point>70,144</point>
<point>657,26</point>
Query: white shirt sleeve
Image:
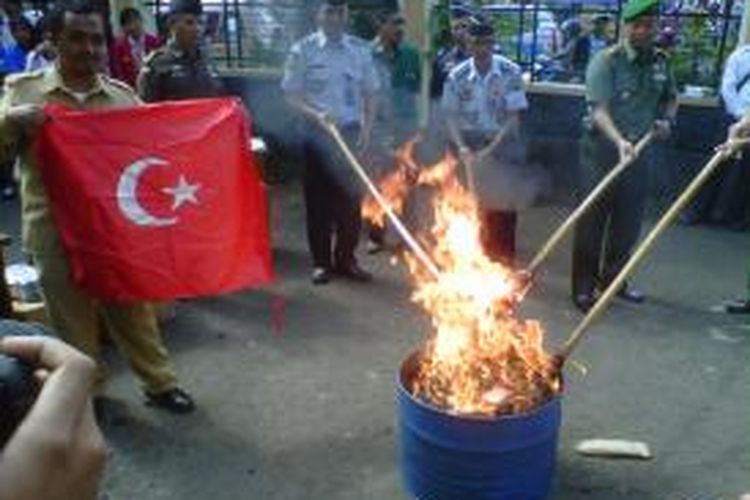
<point>449,101</point>
<point>293,79</point>
<point>515,98</point>
<point>729,82</point>
<point>371,81</point>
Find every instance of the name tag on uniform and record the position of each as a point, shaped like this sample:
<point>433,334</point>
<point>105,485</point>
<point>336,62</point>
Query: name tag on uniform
<point>497,88</point>
<point>316,77</point>
<point>178,71</point>
<point>465,93</point>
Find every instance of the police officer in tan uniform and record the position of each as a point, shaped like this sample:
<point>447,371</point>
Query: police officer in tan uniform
<point>180,70</point>
<point>74,81</point>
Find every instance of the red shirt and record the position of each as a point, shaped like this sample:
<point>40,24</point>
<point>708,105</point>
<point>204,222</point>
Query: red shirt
<point>126,58</point>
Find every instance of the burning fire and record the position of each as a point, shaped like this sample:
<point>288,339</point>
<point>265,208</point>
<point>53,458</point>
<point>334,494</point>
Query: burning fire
<point>482,359</point>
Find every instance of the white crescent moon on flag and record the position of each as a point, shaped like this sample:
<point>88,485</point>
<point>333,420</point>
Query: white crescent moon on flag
<point>127,199</point>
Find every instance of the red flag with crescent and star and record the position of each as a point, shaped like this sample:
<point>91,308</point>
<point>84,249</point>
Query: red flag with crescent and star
<point>157,202</point>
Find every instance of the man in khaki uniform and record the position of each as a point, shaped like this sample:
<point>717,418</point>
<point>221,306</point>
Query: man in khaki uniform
<point>78,31</point>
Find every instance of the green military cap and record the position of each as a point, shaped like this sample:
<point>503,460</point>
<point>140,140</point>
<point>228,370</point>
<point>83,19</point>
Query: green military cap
<point>637,8</point>
<point>193,7</point>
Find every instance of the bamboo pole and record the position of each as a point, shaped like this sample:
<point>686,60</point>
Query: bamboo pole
<point>470,179</point>
<point>409,239</point>
<point>573,218</point>
<point>744,35</point>
<point>426,62</point>
<point>723,153</point>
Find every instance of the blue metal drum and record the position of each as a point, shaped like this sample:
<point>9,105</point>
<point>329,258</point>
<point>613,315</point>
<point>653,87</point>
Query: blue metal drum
<point>453,457</point>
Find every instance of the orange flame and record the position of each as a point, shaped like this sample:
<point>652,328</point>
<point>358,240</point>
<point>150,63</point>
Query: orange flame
<point>481,359</point>
<point>395,186</point>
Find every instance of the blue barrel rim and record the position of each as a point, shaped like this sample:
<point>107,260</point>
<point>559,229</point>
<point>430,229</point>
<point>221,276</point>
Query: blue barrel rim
<point>410,362</point>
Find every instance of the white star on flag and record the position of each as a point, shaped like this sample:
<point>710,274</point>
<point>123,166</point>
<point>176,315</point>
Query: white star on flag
<point>183,193</point>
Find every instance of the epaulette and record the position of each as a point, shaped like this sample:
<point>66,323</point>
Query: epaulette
<point>661,54</point>
<point>612,50</point>
<point>357,41</point>
<point>506,65</point>
<point>19,78</point>
<point>153,55</point>
<point>461,71</point>
<point>309,40</point>
<point>117,83</point>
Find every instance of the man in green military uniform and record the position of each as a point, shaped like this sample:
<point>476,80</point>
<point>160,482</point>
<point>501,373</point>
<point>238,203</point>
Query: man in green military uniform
<point>74,81</point>
<point>400,72</point>
<point>180,69</point>
<point>630,91</point>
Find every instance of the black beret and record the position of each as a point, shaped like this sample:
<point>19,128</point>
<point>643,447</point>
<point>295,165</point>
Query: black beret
<point>185,7</point>
<point>481,30</point>
<point>460,11</point>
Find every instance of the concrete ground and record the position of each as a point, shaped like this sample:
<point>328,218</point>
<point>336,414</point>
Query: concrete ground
<point>299,403</point>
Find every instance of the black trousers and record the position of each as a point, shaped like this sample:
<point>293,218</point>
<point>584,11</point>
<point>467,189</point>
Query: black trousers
<point>499,235</point>
<point>606,234</point>
<point>725,199</point>
<point>332,201</point>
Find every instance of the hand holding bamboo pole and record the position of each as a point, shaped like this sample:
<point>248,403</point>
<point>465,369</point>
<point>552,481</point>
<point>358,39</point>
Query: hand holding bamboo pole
<point>409,239</point>
<point>723,153</point>
<point>573,218</point>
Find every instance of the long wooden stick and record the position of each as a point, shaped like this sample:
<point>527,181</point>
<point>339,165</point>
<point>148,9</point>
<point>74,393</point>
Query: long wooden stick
<point>573,218</point>
<point>470,179</point>
<point>683,200</point>
<point>409,239</point>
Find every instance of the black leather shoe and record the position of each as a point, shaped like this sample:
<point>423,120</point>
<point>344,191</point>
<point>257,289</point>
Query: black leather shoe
<point>584,301</point>
<point>737,306</point>
<point>353,272</point>
<point>173,400</point>
<point>632,296</point>
<point>101,410</point>
<point>320,276</point>
<point>374,247</point>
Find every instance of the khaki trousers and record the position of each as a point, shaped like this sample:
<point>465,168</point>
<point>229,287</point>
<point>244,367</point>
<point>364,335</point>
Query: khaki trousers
<point>78,319</point>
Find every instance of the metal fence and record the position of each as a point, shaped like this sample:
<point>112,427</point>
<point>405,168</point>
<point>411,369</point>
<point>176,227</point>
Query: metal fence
<point>258,33</point>
<point>538,36</point>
